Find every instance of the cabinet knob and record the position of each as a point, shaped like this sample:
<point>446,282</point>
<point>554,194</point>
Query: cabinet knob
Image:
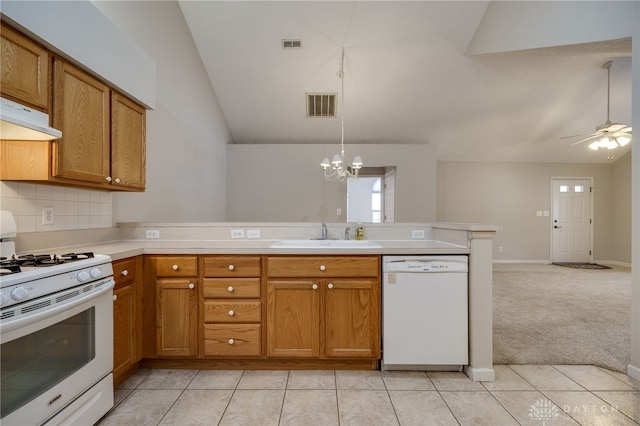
<point>315,286</point>
<point>117,180</point>
<point>322,267</point>
<point>230,288</point>
<point>124,273</point>
<point>330,285</point>
<point>231,341</point>
<point>231,313</point>
<point>115,297</point>
<point>192,286</point>
<point>108,178</point>
<point>231,267</point>
<point>175,267</point>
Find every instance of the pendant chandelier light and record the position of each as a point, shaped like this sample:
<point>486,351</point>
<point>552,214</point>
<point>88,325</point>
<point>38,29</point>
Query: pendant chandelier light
<point>336,170</point>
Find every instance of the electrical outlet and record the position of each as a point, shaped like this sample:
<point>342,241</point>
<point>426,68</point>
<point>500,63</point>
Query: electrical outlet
<point>417,234</point>
<point>237,233</point>
<point>253,233</point>
<point>152,233</point>
<point>500,249</point>
<point>48,217</point>
<point>339,212</point>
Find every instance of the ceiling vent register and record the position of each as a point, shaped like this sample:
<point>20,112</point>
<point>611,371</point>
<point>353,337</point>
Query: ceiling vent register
<point>291,44</point>
<point>321,104</point>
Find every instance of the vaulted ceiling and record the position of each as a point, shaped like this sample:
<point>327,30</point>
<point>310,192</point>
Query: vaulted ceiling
<point>482,81</point>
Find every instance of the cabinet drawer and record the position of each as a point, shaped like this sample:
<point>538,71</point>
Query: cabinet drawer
<point>231,288</point>
<point>232,311</point>
<point>232,340</point>
<point>177,266</point>
<point>323,266</point>
<point>232,266</point>
<point>124,271</point>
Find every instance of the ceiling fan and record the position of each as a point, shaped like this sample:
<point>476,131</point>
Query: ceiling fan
<point>608,135</point>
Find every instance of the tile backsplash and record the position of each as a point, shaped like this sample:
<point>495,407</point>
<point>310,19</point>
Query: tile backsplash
<point>73,208</point>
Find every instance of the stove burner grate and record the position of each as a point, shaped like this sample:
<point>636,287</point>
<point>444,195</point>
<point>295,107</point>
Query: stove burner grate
<point>13,265</point>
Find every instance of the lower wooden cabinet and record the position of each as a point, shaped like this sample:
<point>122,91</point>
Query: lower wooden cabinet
<point>232,306</point>
<point>323,316</point>
<point>171,306</point>
<point>127,317</point>
<point>176,317</point>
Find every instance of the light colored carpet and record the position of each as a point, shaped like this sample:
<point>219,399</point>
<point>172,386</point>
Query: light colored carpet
<point>548,314</point>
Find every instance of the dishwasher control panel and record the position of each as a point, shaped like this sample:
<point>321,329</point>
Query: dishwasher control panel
<point>430,264</point>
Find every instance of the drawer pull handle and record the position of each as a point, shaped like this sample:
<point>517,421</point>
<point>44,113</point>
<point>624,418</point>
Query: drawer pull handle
<point>231,313</point>
<point>115,297</point>
<point>330,285</point>
<point>192,286</point>
<point>315,286</point>
<point>124,273</point>
<point>175,267</point>
<point>231,267</point>
<point>231,341</point>
<point>230,288</point>
<point>322,267</point>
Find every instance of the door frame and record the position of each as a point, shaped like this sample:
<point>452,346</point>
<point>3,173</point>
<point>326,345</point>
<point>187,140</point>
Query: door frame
<point>592,191</point>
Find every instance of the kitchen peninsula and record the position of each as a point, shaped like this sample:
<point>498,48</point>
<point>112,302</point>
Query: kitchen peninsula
<point>233,291</point>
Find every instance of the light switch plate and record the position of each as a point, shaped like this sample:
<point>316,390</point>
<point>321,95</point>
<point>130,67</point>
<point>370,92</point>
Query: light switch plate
<point>152,233</point>
<point>417,234</point>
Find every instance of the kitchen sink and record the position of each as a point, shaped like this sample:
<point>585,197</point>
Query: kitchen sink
<point>326,244</point>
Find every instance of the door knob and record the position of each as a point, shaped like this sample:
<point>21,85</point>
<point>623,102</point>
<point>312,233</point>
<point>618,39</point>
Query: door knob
<point>556,226</point>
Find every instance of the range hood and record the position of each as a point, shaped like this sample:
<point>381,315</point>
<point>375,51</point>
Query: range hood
<point>21,123</point>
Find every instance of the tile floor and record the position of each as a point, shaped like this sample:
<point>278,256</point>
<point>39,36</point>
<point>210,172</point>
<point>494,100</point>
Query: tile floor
<point>522,394</point>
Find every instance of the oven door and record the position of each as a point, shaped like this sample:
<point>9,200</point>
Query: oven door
<point>50,356</point>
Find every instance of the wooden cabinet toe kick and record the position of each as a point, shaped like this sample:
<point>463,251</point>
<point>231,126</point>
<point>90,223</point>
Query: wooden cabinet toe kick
<point>259,364</point>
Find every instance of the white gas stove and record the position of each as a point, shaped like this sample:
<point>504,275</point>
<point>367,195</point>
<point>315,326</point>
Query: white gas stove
<point>56,335</point>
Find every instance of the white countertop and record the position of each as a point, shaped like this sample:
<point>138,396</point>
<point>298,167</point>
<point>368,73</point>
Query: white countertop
<point>123,249</point>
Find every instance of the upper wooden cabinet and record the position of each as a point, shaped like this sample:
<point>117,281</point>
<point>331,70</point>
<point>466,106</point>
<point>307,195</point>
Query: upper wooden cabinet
<point>103,142</point>
<point>128,143</point>
<point>24,69</point>
<point>81,111</point>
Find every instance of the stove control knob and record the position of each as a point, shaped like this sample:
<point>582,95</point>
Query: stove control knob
<point>83,276</point>
<point>95,273</point>
<point>19,293</point>
<point>3,298</point>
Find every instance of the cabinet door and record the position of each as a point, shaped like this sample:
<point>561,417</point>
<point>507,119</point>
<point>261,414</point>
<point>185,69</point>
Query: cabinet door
<point>24,69</point>
<point>293,319</point>
<point>124,345</point>
<point>352,318</point>
<point>176,317</point>
<point>81,111</point>
<point>128,146</point>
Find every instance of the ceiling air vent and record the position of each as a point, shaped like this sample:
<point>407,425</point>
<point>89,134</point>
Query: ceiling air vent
<point>291,44</point>
<point>321,104</point>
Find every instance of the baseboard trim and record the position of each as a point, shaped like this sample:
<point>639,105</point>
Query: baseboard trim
<point>633,372</point>
<point>547,262</point>
<point>480,374</point>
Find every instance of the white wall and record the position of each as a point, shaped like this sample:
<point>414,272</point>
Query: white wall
<point>284,183</point>
<point>186,133</point>
<point>510,194</point>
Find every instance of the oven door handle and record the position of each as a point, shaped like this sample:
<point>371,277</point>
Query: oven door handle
<point>25,320</point>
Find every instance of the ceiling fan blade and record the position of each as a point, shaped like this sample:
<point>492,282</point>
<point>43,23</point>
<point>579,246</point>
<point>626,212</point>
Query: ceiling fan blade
<point>586,139</point>
<point>581,136</point>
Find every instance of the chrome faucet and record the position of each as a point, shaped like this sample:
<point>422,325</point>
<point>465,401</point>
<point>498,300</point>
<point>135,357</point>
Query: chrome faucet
<point>324,231</point>
<point>346,233</point>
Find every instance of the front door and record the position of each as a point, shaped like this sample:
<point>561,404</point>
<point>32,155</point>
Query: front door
<point>571,220</point>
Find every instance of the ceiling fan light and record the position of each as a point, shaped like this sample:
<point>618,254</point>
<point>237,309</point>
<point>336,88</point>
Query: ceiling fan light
<point>603,143</point>
<point>623,140</point>
<point>594,145</point>
<point>612,144</point>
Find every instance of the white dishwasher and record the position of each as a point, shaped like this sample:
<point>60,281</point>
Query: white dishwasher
<point>424,312</point>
